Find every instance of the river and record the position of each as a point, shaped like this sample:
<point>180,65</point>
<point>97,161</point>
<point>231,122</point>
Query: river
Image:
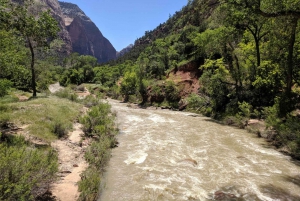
<point>171,155</point>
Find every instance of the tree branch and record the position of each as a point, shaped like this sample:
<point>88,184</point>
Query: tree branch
<point>280,13</point>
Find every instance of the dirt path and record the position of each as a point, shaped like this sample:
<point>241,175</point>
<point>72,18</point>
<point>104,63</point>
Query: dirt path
<point>71,165</point>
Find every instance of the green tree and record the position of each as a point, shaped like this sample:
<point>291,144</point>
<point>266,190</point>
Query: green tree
<point>128,85</point>
<point>217,84</point>
<point>290,11</point>
<point>141,74</point>
<point>36,27</point>
<point>242,18</point>
<point>13,60</point>
<point>86,63</point>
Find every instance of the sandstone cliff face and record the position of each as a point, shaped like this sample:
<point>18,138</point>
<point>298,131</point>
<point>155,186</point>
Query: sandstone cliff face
<point>58,15</point>
<point>85,36</point>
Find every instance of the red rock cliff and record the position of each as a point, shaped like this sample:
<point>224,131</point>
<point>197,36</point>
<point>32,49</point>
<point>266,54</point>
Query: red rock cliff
<point>85,36</point>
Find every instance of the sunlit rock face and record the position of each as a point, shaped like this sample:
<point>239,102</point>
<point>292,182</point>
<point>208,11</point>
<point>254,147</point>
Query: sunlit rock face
<point>58,15</point>
<point>86,38</point>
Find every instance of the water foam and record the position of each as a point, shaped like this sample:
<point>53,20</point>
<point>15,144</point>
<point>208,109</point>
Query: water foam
<point>136,158</point>
<point>159,119</point>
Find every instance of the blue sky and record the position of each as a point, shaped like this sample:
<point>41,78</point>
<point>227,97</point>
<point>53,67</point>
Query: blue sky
<point>123,21</point>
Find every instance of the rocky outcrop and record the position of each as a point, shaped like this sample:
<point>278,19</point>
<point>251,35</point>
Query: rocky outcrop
<point>56,12</point>
<point>187,77</point>
<point>85,36</point>
<point>124,51</point>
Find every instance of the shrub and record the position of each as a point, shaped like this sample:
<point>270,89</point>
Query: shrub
<point>60,128</point>
<point>98,121</point>
<point>172,92</point>
<point>25,171</point>
<point>287,129</point>
<point>4,119</point>
<point>196,102</point>
<point>114,92</point>
<point>4,116</point>
<point>90,101</point>
<point>245,109</point>
<point>67,93</point>
<point>98,153</point>
<point>89,184</point>
<point>4,86</point>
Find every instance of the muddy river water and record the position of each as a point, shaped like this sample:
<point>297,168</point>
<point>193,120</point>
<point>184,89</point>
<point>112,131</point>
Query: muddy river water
<point>170,155</point>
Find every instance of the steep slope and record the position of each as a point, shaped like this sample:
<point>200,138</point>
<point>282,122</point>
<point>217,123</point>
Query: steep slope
<point>195,14</point>
<point>124,50</point>
<point>58,15</point>
<point>85,36</point>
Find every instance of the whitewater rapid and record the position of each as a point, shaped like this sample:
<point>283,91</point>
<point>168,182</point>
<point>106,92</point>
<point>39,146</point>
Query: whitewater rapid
<point>171,155</point>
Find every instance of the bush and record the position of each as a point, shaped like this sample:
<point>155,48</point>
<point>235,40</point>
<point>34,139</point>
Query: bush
<point>4,116</point>
<point>60,128</point>
<point>4,119</point>
<point>4,86</point>
<point>114,92</point>
<point>90,101</point>
<point>25,171</point>
<point>67,93</point>
<point>89,184</point>
<point>98,123</point>
<point>196,102</point>
<point>245,109</point>
<point>287,129</point>
<point>172,92</point>
<point>98,153</point>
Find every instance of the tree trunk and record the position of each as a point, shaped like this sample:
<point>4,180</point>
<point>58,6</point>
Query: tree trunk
<point>33,84</point>
<point>126,98</point>
<point>257,54</point>
<point>290,63</point>
<point>255,34</point>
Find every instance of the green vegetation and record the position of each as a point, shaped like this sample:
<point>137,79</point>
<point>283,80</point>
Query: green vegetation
<point>30,61</point>
<point>25,171</point>
<point>99,124</point>
<point>50,118</point>
<point>244,53</point>
<point>36,27</point>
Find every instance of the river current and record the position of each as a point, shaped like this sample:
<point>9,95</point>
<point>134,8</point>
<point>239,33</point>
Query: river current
<point>170,155</point>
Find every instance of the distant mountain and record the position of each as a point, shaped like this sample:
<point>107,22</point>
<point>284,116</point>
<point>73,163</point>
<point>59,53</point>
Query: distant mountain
<point>124,50</point>
<point>85,36</point>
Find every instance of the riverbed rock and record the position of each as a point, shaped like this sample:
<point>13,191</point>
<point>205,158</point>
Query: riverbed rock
<point>222,196</point>
<point>189,161</point>
<point>257,126</point>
